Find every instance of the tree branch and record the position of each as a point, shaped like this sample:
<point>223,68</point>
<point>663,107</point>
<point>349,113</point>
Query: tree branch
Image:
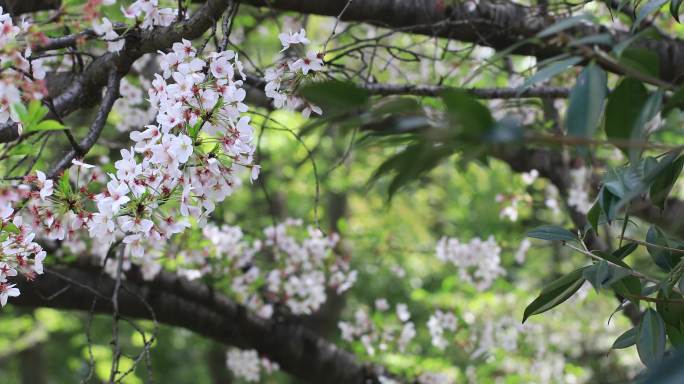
<point>96,128</point>
<point>196,307</point>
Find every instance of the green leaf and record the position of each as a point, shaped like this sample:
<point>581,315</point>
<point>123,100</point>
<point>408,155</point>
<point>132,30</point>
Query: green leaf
<point>629,287</point>
<point>609,203</point>
<point>64,185</point>
<point>335,95</point>
<point>642,60</point>
<point>664,181</point>
<point>47,125</point>
<point>409,164</point>
<point>651,338</point>
<point>586,102</point>
<point>552,232</point>
<point>564,24</point>
<point>550,71</point>
<point>626,340</point>
<point>611,258</point>
<point>397,105</point>
<point>623,110</point>
<point>663,258</point>
<point>598,39</point>
<point>672,313</point>
<point>646,10</point>
<point>20,111</point>
<point>603,274</point>
<point>674,9</point>
<point>464,111</point>
<point>555,293</point>
<point>625,250</point>
<point>594,215</point>
<point>37,111</point>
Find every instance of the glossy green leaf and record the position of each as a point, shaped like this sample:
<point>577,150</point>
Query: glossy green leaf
<point>663,258</point>
<point>674,8</point>
<point>626,340</point>
<point>594,215</point>
<point>642,60</point>
<point>602,274</point>
<point>611,258</point>
<point>564,24</point>
<point>671,309</point>
<point>651,338</point>
<point>552,232</point>
<point>555,293</point>
<point>625,250</point>
<point>549,71</point>
<point>629,287</point>
<point>623,110</point>
<point>649,8</point>
<point>586,102</point>
<point>664,181</point>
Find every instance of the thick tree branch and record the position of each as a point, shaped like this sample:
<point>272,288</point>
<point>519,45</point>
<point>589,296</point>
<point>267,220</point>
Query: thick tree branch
<point>496,24</point>
<point>198,308</point>
<point>87,86</point>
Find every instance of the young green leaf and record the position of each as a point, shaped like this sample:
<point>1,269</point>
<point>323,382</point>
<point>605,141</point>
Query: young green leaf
<point>46,125</point>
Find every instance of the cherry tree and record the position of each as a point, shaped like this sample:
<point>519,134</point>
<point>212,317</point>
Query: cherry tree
<point>131,130</point>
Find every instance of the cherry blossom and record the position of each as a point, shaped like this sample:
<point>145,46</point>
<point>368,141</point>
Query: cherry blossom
<point>106,30</point>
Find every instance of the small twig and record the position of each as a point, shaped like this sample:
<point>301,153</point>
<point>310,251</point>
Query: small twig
<point>597,258</point>
<point>647,244</point>
<point>337,21</point>
<point>227,25</point>
<point>96,128</point>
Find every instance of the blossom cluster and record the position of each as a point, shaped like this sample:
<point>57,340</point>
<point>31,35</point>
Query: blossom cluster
<point>282,81</point>
<point>392,334</point>
<point>247,365</point>
<point>276,270</point>
<point>18,251</point>
<point>176,171</point>
<point>478,261</point>
<point>21,79</point>
<point>149,14</point>
<point>438,323</point>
